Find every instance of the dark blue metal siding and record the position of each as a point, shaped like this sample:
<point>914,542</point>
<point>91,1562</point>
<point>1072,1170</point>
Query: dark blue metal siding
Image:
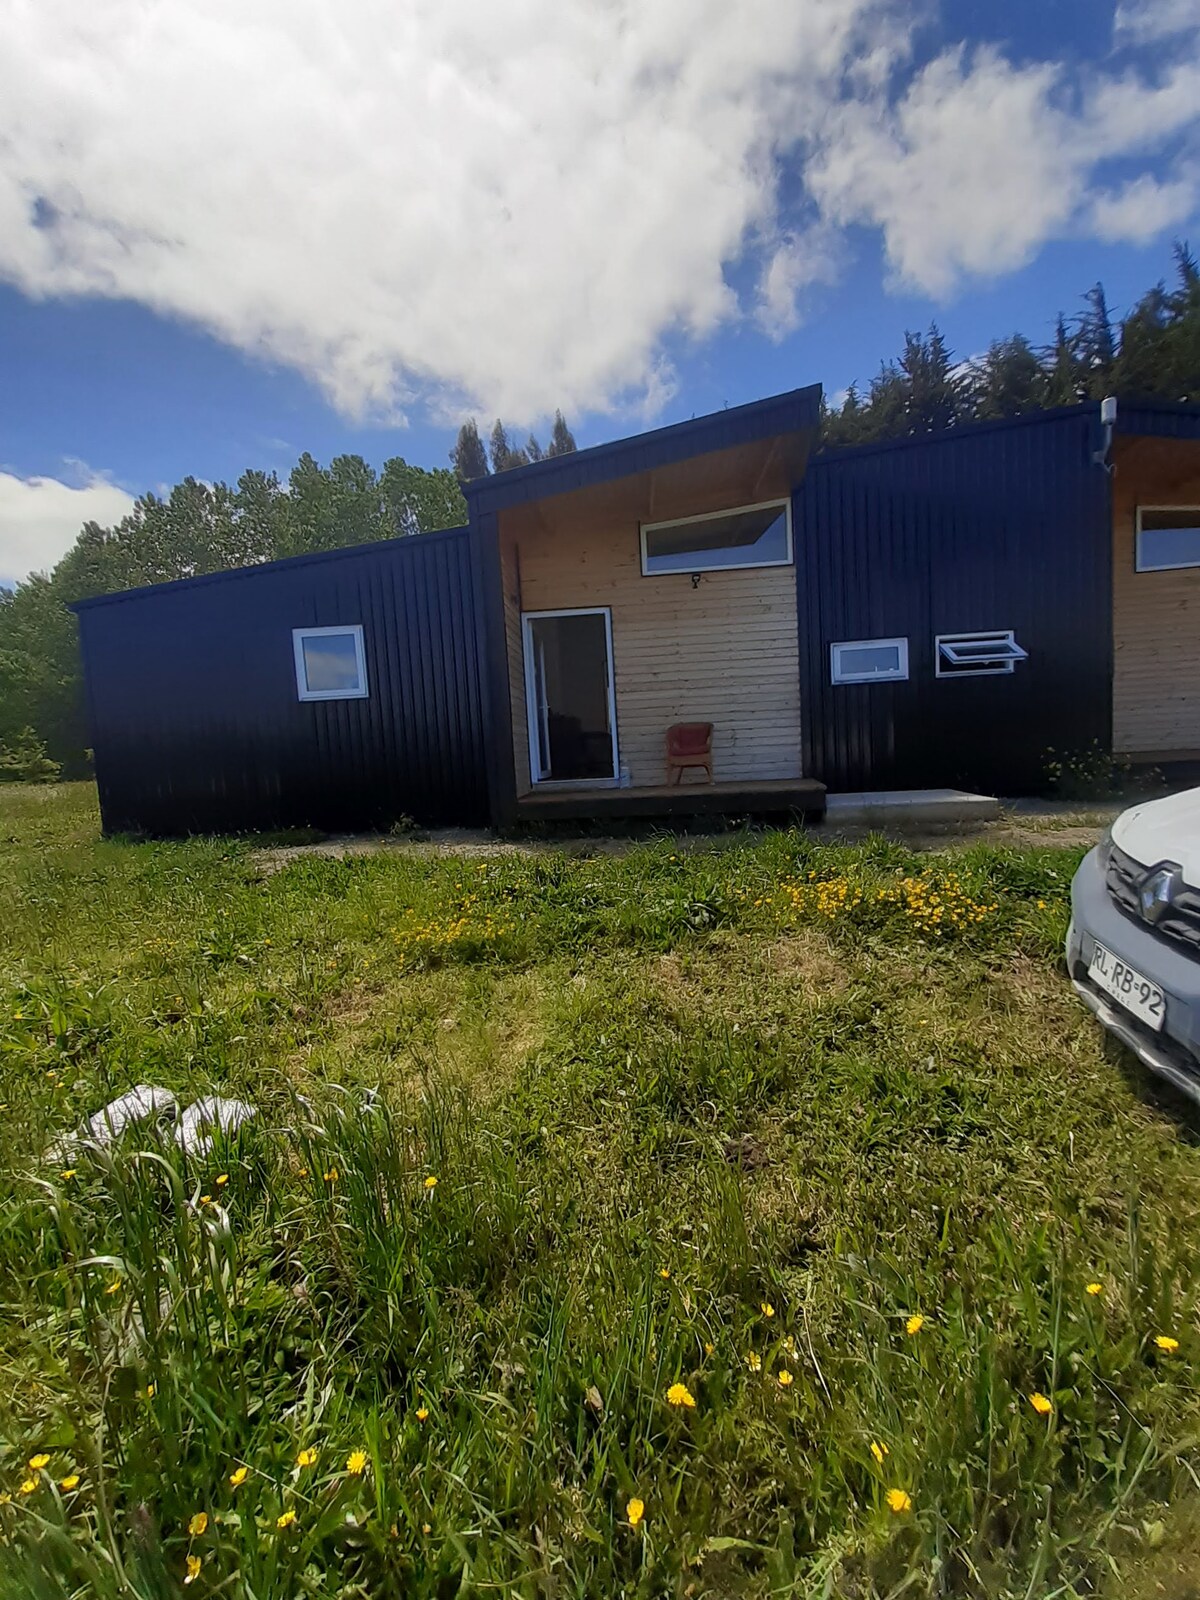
<point>995,527</point>
<point>195,718</point>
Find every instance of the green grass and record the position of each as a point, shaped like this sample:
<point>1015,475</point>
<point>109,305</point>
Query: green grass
<point>659,1092</point>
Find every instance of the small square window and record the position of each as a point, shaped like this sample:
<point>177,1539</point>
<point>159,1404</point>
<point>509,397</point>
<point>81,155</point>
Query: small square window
<point>868,660</point>
<point>975,655</point>
<point>1168,537</point>
<point>331,663</point>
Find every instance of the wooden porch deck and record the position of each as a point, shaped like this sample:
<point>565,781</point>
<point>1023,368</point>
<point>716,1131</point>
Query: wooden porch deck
<point>804,797</point>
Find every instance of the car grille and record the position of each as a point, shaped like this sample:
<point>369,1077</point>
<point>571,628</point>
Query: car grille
<point>1180,921</point>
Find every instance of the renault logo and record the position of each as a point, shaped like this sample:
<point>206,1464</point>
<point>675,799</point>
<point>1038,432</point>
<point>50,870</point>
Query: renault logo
<point>1157,892</point>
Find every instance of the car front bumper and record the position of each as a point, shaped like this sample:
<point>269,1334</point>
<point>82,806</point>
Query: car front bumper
<point>1174,1053</point>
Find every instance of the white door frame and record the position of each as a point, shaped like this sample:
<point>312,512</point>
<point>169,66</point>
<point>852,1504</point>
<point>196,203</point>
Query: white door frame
<point>533,710</point>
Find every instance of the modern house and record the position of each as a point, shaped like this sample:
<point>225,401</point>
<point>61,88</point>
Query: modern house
<point>706,617</point>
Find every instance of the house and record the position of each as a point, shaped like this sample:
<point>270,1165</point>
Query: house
<point>936,611</point>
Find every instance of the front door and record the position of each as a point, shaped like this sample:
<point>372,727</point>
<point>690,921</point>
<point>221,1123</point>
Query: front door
<point>569,691</point>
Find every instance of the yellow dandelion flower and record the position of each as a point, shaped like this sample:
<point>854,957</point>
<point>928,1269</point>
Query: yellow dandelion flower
<point>36,1463</point>
<point>5,1499</point>
<point>222,1179</point>
<point>356,1463</point>
<point>194,1564</point>
<point>332,1175</point>
<point>68,1174</point>
<point>914,1324</point>
<point>206,1199</point>
<point>1165,1342</point>
<point>150,1391</point>
<point>198,1526</point>
<point>635,1511</point>
<point>664,1273</point>
<point>1041,1405</point>
<point>427,1527</point>
<point>29,1485</point>
<point>422,1413</point>
<point>238,1477</point>
<point>785,1378</point>
<point>709,1347</point>
<point>71,1481</point>
<point>680,1395</point>
<point>878,1451</point>
<point>114,1287</point>
<point>1095,1288</point>
<point>285,1519</point>
<point>899,1501</point>
<point>307,1458</point>
<point>754,1361</point>
<point>767,1309</point>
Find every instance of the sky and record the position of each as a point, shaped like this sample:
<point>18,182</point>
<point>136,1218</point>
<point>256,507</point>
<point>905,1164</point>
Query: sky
<point>235,230</point>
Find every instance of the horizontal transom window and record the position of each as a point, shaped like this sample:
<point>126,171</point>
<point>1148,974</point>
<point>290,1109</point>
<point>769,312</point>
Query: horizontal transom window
<point>331,663</point>
<point>961,655</point>
<point>747,536</point>
<point>868,660</point>
<point>1167,537</point>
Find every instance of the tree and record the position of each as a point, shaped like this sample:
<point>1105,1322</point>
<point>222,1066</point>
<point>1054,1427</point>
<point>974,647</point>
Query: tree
<point>533,449</point>
<point>1095,345</point>
<point>933,387</point>
<point>468,455</point>
<point>418,501</point>
<point>1064,384</point>
<point>1007,381</point>
<point>562,440</point>
<point>504,456</point>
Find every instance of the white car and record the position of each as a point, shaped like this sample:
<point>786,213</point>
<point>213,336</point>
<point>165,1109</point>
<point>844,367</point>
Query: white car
<point>1133,947</point>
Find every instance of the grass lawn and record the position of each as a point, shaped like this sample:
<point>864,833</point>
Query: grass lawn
<point>794,1231</point>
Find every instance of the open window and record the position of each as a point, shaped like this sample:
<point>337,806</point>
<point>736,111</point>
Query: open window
<point>1168,537</point>
<point>868,660</point>
<point>976,655</point>
<point>747,536</point>
<point>331,663</point>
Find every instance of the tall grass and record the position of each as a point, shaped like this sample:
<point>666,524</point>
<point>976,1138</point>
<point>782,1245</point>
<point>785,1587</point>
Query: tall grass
<point>847,1171</point>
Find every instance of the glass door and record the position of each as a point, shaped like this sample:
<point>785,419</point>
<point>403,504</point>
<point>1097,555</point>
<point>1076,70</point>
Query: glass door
<point>569,693</point>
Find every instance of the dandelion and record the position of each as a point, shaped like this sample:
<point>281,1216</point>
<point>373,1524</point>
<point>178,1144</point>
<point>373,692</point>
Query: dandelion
<point>332,1175</point>
<point>635,1511</point>
<point>206,1200</point>
<point>664,1273</point>
<point>1095,1288</point>
<point>914,1324</point>
<point>285,1519</point>
<point>71,1481</point>
<point>431,1182</point>
<point>1165,1342</point>
<point>785,1378</point>
<point>709,1347</point>
<point>1041,1405</point>
<point>878,1451</point>
<point>356,1463</point>
<point>194,1564</point>
<point>680,1395</point>
<point>754,1361</point>
<point>151,1391</point>
<point>426,1527</point>
<point>36,1463</point>
<point>767,1309</point>
<point>422,1413</point>
<point>198,1526</point>
<point>307,1458</point>
<point>29,1485</point>
<point>222,1179</point>
<point>68,1174</point>
<point>899,1501</point>
<point>238,1477</point>
<point>114,1287</point>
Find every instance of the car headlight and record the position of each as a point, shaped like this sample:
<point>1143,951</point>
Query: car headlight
<point>1104,849</point>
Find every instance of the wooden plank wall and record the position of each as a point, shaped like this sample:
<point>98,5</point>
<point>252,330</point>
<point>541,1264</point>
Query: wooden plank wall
<point>1156,615</point>
<point>726,652</point>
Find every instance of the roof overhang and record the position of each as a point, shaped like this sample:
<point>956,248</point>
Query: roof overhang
<point>735,457</point>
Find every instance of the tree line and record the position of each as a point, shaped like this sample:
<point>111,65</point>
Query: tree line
<point>1151,352</point>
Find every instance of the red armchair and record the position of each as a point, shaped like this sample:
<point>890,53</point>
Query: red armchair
<point>689,744</point>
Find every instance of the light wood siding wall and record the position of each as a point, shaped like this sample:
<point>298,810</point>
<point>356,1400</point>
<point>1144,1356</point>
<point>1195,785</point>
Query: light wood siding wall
<point>726,652</point>
<point>1156,615</point>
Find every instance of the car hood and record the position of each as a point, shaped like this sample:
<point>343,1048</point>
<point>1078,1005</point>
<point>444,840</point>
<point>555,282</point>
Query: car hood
<point>1163,830</point>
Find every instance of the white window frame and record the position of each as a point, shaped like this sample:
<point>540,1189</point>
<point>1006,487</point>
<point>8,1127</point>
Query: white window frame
<point>299,635</point>
<point>980,668</point>
<point>711,516</point>
<point>533,711</point>
<point>836,675</point>
<point>1170,566</point>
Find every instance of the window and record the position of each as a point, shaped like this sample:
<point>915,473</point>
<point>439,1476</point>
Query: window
<point>868,660</point>
<point>747,536</point>
<point>1167,537</point>
<point>330,663</point>
<point>975,655</point>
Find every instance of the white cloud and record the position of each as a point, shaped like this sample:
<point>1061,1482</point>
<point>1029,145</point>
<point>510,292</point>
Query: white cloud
<point>517,204</point>
<point>40,517</point>
<point>1138,210</point>
<point>1144,21</point>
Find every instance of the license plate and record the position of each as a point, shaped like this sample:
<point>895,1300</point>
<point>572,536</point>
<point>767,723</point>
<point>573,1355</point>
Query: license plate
<point>1128,988</point>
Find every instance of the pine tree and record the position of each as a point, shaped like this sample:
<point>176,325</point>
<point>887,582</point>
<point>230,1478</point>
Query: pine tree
<point>1064,381</point>
<point>1095,343</point>
<point>534,450</point>
<point>504,456</point>
<point>468,456</point>
<point>562,440</point>
<point>1007,381</point>
<point>933,389</point>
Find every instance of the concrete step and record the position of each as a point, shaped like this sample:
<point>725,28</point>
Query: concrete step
<point>899,807</point>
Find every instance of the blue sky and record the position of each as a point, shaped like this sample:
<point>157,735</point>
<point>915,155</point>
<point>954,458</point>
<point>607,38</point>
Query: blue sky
<point>233,232</point>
